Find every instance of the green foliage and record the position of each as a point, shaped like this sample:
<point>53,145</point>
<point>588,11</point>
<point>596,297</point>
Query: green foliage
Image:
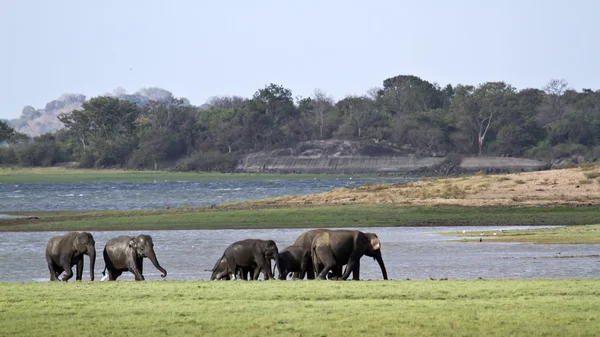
<point>6,132</point>
<point>520,307</point>
<point>211,161</point>
<point>568,149</point>
<point>44,150</point>
<point>104,130</point>
<point>154,130</point>
<point>7,156</point>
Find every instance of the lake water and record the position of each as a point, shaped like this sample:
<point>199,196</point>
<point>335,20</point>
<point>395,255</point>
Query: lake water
<point>414,253</point>
<point>152,195</point>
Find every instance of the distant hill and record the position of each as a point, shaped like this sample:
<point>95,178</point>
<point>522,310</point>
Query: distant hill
<point>34,122</point>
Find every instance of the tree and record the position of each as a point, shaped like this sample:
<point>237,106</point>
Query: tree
<point>269,116</point>
<point>481,107</point>
<point>406,94</point>
<point>163,132</point>
<point>6,132</point>
<point>104,126</point>
<point>554,105</point>
<point>518,129</point>
<point>316,110</point>
<point>359,112</point>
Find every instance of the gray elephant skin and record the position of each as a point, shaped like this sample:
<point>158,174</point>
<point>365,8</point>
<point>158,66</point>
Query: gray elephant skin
<point>334,248</point>
<point>304,241</point>
<point>294,260</point>
<point>127,253</point>
<point>65,251</point>
<point>219,271</point>
<point>247,253</point>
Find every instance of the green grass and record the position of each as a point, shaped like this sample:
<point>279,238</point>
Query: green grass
<point>64,175</point>
<point>586,234</point>
<point>554,307</point>
<point>303,217</point>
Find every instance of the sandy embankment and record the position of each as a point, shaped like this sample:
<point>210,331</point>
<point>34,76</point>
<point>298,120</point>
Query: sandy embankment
<point>574,186</point>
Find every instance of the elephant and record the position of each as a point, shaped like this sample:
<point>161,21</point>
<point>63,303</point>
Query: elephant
<point>65,251</point>
<point>126,253</point>
<point>334,248</point>
<point>305,241</point>
<point>249,252</point>
<point>219,271</point>
<point>294,260</point>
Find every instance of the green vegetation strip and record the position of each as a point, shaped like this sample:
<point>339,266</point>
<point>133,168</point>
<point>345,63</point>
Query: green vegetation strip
<point>304,217</point>
<point>588,234</point>
<point>532,307</point>
<point>64,175</point>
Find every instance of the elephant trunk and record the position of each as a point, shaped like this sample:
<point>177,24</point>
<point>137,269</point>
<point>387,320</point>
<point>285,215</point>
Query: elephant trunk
<point>92,254</point>
<point>277,264</point>
<point>152,258</point>
<point>381,265</point>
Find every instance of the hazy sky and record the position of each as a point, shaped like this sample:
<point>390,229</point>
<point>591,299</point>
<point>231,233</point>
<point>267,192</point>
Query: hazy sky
<point>197,49</point>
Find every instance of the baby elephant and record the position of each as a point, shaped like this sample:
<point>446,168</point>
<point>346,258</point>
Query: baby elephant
<point>294,260</point>
<point>65,251</point>
<point>126,253</point>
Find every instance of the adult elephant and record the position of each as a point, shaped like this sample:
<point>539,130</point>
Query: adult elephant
<point>334,248</point>
<point>294,260</point>
<point>126,253</point>
<point>65,251</point>
<point>304,241</point>
<point>249,252</point>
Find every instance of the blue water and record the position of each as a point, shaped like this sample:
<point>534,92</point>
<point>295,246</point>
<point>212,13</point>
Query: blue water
<point>153,195</point>
<point>415,253</point>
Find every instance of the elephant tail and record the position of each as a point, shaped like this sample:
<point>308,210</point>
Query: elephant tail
<point>104,271</point>
<point>218,262</point>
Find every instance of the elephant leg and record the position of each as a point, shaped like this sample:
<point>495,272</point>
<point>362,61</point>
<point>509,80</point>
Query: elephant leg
<point>353,262</point>
<point>113,274</point>
<point>356,271</point>
<point>54,271</point>
<point>298,275</point>
<point>310,272</point>
<point>140,267</point>
<point>134,266</point>
<point>231,268</point>
<point>264,266</point>
<point>79,270</point>
<point>66,266</point>
<point>326,256</point>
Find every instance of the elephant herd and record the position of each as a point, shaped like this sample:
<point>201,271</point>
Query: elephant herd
<point>317,253</point>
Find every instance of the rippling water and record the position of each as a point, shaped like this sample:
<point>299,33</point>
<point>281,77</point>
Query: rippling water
<point>120,196</point>
<point>414,253</point>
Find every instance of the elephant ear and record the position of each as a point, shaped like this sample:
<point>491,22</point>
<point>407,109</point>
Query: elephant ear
<point>77,241</point>
<point>375,243</point>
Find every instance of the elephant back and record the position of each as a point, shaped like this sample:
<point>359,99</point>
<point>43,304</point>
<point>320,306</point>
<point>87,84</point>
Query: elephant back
<point>305,239</point>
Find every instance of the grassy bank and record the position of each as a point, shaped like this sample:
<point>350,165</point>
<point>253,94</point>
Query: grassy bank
<point>587,234</point>
<point>557,307</point>
<point>64,175</point>
<point>223,217</point>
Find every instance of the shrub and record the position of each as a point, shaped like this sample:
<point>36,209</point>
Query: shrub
<point>208,161</point>
<point>7,156</point>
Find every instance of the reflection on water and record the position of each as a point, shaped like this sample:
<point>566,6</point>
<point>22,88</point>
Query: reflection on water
<point>120,195</point>
<point>414,253</point>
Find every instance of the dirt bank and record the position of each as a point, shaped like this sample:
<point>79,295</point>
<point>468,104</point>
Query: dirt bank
<point>351,157</point>
<point>575,186</point>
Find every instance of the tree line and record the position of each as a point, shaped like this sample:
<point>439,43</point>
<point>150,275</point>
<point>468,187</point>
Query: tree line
<point>493,118</point>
